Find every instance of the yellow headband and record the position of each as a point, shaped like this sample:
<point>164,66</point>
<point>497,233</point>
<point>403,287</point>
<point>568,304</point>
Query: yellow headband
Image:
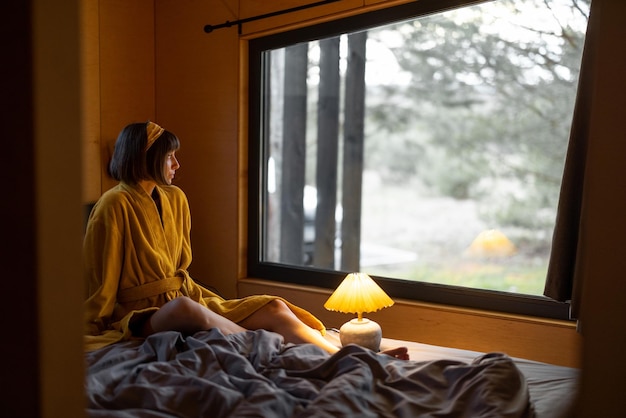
<point>154,131</point>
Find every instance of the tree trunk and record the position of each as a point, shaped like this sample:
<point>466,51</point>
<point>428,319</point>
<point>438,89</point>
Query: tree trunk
<point>327,142</point>
<point>294,155</point>
<point>353,153</point>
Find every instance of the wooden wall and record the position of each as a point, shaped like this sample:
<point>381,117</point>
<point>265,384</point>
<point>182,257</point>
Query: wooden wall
<point>118,80</point>
<point>40,315</point>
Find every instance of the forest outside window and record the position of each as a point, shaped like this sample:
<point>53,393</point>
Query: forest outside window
<point>426,151</point>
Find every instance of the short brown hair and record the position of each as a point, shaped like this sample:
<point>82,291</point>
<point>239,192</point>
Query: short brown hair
<point>131,162</point>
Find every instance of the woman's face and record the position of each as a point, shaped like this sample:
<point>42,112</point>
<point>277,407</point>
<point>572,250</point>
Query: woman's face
<point>170,166</point>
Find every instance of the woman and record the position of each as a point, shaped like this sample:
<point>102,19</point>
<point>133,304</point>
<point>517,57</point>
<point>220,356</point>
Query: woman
<point>137,251</point>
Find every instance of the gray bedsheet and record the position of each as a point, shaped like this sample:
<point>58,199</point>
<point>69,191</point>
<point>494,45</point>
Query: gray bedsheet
<point>253,374</point>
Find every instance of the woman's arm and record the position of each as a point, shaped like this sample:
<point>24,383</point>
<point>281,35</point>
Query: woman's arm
<point>102,258</point>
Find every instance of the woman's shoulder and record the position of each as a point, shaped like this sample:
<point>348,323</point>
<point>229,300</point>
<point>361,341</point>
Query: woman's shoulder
<point>114,196</point>
<point>109,207</point>
<point>173,192</point>
<point>118,199</point>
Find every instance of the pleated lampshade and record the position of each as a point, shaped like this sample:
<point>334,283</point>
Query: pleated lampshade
<point>358,293</point>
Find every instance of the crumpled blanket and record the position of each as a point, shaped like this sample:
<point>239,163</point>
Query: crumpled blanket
<point>253,374</point>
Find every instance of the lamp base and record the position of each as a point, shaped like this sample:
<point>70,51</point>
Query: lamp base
<point>365,333</point>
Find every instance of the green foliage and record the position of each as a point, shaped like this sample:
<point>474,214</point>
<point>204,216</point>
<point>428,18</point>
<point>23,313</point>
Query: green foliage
<point>485,111</point>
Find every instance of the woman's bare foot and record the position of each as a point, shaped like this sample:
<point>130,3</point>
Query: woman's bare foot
<point>401,353</point>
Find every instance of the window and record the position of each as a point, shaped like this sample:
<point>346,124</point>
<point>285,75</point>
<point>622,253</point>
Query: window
<point>424,147</point>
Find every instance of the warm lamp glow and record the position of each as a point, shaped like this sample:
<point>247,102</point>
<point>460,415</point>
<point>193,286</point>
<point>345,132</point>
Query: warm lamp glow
<point>491,244</point>
<point>358,293</point>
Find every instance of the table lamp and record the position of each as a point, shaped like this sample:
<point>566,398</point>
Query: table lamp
<point>359,294</point>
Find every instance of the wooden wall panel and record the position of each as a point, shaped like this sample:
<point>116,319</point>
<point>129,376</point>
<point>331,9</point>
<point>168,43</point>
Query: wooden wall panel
<point>127,66</point>
<point>92,170</point>
<point>58,296</point>
<point>249,8</point>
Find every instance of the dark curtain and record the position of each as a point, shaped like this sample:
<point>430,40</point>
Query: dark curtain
<point>565,271</point>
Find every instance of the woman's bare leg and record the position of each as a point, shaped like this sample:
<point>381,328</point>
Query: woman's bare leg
<point>277,317</point>
<point>185,315</point>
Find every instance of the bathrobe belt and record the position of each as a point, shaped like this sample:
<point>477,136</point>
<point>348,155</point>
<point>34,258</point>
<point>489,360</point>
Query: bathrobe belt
<point>151,289</point>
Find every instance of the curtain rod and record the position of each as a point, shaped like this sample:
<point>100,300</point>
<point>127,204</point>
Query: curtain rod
<point>239,22</point>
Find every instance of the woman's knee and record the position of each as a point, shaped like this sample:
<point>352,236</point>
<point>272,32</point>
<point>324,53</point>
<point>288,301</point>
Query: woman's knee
<point>278,308</point>
<point>280,312</point>
<point>181,306</point>
<point>272,316</point>
<point>181,314</point>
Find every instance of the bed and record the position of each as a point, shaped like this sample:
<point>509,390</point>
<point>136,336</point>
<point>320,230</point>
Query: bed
<point>253,374</point>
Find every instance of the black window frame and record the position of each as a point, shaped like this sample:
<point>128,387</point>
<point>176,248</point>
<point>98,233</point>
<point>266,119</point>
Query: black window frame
<point>503,302</point>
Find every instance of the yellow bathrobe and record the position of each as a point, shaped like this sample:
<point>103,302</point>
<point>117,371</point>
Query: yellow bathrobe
<point>136,260</point>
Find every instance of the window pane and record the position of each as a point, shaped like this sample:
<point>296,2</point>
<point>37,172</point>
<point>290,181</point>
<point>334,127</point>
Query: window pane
<point>425,150</point>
